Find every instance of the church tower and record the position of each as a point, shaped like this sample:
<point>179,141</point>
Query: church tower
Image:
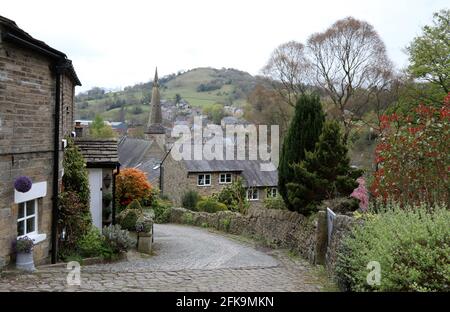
<point>155,130</point>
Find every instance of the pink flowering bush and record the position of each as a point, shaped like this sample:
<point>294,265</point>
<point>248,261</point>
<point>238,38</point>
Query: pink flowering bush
<point>361,194</point>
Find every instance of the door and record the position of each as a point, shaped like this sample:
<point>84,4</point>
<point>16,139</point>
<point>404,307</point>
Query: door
<point>95,186</point>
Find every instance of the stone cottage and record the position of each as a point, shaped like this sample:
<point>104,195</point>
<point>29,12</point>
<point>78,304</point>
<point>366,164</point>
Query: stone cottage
<point>37,85</point>
<point>211,176</point>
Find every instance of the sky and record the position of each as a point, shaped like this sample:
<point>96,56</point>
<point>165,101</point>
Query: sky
<point>114,44</point>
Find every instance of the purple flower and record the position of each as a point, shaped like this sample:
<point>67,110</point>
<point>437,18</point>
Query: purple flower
<point>23,184</point>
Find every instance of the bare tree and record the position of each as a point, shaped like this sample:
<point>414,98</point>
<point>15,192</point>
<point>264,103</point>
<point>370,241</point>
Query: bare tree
<point>350,62</point>
<point>288,68</point>
<point>265,106</point>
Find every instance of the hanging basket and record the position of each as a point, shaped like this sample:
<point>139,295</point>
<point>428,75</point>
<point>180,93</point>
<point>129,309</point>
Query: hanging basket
<point>23,184</point>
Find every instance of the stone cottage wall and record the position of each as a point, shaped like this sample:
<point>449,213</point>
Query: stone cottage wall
<point>27,102</point>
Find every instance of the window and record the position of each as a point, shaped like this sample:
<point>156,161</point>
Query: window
<point>272,192</point>
<point>252,194</point>
<point>225,178</point>
<point>27,218</point>
<point>204,180</point>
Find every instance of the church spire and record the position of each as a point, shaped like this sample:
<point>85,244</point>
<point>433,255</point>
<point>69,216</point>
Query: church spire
<point>154,125</point>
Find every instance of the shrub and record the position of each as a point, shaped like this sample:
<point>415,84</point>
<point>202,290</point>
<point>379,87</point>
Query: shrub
<point>275,203</point>
<point>324,173</point>
<point>74,219</point>
<point>234,196</point>
<point>144,225</point>
<point>24,245</point>
<point>341,205</point>
<point>211,205</point>
<point>190,200</point>
<point>132,184</point>
<point>187,218</point>
<point>135,205</point>
<point>304,131</point>
<point>361,194</point>
<point>226,223</point>
<point>75,177</point>
<point>162,210</point>
<point>412,156</point>
<point>91,244</point>
<point>117,239</point>
<point>128,218</point>
<point>411,244</point>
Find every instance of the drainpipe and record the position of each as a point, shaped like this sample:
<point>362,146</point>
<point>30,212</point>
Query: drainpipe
<point>55,184</point>
<point>114,194</point>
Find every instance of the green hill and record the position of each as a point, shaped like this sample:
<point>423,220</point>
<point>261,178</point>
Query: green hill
<point>199,87</point>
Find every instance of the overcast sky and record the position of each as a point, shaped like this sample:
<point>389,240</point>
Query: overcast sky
<point>118,43</point>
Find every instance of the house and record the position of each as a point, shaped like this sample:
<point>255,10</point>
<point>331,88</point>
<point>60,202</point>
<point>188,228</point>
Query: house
<point>37,89</point>
<point>102,163</point>
<point>174,178</point>
<point>211,176</point>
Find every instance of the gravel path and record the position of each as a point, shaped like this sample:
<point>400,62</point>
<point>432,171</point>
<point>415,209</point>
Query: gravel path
<point>186,259</point>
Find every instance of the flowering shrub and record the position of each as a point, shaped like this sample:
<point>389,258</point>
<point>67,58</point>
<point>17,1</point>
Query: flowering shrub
<point>412,156</point>
<point>24,244</point>
<point>362,194</point>
<point>411,245</point>
<point>23,184</point>
<point>132,184</point>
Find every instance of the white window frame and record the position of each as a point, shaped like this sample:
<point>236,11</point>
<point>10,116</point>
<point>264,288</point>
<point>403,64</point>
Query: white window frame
<point>270,192</point>
<point>26,217</point>
<point>254,191</point>
<point>225,175</point>
<point>204,179</point>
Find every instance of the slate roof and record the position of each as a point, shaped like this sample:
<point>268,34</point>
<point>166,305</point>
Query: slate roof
<point>132,154</point>
<point>251,170</point>
<point>98,152</point>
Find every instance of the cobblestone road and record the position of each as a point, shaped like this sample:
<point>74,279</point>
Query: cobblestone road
<point>186,259</point>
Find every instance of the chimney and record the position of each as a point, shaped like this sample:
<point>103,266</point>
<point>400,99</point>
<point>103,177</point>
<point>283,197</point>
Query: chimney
<point>78,129</point>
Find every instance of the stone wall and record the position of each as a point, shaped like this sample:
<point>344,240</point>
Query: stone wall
<point>342,226</point>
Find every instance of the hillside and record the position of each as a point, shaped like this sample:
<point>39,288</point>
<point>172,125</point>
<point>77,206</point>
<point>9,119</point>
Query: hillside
<point>198,87</point>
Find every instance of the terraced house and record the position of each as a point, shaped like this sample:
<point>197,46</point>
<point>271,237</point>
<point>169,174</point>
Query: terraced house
<point>211,176</point>
<point>37,85</point>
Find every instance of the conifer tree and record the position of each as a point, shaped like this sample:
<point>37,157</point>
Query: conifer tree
<point>302,136</point>
<point>324,173</point>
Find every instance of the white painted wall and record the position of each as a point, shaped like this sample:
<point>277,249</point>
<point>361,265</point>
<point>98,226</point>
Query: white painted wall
<point>95,186</point>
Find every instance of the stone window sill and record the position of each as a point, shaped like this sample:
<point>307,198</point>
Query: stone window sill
<point>37,238</point>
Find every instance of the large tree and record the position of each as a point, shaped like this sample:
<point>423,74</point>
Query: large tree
<point>288,69</point>
<point>429,53</point>
<point>303,133</point>
<point>266,107</point>
<point>350,62</point>
<point>324,173</point>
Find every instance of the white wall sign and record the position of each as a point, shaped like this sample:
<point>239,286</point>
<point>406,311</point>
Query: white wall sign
<point>37,190</point>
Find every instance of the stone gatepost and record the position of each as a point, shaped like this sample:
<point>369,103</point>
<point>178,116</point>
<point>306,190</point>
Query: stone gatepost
<point>320,248</point>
